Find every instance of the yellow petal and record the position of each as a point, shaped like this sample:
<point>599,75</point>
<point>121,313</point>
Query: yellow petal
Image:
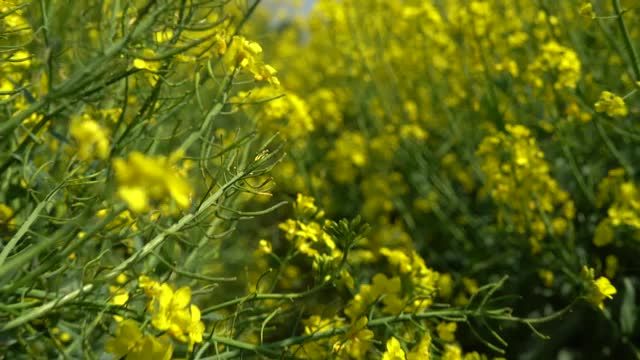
<point>181,298</point>
<point>135,197</point>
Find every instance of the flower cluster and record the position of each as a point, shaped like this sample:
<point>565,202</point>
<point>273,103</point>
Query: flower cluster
<point>624,209</point>
<point>142,179</point>
<point>428,149</point>
<point>92,139</point>
<point>279,111</point>
<point>597,289</point>
<point>519,181</point>
<point>171,311</point>
<point>246,54</point>
<point>131,343</point>
<point>611,104</point>
<point>558,60</point>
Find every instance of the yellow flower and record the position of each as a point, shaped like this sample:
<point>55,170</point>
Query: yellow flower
<point>357,340</point>
<point>389,288</point>
<point>452,352</point>
<point>394,350</point>
<point>151,65</point>
<point>600,290</point>
<point>135,197</point>
<point>91,138</point>
<point>422,350</point>
<point>264,247</point>
<point>515,167</point>
<point>603,234</point>
<point>120,296</point>
<point>612,104</point>
<point>122,278</point>
<point>65,337</point>
<point>559,60</point>
<point>398,258</point>
<point>306,205</point>
<point>172,312</point>
<point>242,52</point>
<point>446,331</point>
<point>143,178</point>
<point>586,10</point>
<point>280,111</point>
<point>170,304</point>
<point>131,344</point>
<point>7,218</point>
<point>245,54</point>
<point>162,36</point>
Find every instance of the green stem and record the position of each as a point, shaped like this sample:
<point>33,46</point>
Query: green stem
<point>612,148</point>
<point>26,225</point>
<point>44,309</point>
<point>588,193</point>
<point>159,239</point>
<point>451,314</point>
<point>258,297</point>
<point>627,39</point>
<point>539,320</point>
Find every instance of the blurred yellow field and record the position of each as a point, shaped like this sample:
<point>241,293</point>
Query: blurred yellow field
<point>328,179</point>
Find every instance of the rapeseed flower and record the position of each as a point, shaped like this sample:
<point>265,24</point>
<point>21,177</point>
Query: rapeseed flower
<point>173,312</point>
<point>142,178</point>
<point>601,289</point>
<point>598,289</point>
<point>446,331</point>
<point>586,10</point>
<point>148,63</point>
<point>131,344</point>
<point>452,352</point>
<point>246,54</point>
<point>559,60</point>
<point>356,341</point>
<point>611,104</point>
<point>92,139</point>
<point>394,350</point>
<point>422,351</point>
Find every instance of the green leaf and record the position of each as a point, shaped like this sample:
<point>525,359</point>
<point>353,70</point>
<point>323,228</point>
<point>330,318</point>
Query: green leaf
<point>628,311</point>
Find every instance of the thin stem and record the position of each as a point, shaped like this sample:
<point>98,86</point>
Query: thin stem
<point>258,297</point>
<point>612,148</point>
<point>451,314</point>
<point>627,39</point>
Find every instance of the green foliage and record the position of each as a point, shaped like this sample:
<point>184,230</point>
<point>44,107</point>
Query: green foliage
<point>208,179</point>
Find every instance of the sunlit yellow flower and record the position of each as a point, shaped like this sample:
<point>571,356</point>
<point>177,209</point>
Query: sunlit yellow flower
<point>601,289</point>
<point>422,351</point>
<point>172,311</point>
<point>92,139</point>
<point>394,350</point>
<point>131,344</point>
<point>612,104</point>
<point>143,178</point>
<point>446,331</point>
<point>398,258</point>
<point>148,64</point>
<point>246,54</point>
<point>452,352</point>
<point>357,340</point>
